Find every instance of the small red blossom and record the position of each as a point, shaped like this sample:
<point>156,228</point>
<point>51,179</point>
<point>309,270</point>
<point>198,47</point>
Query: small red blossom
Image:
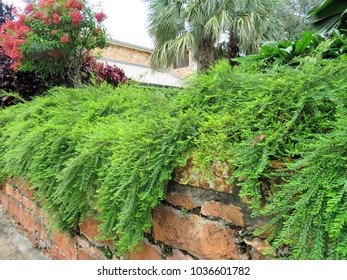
<point>74,4</point>
<point>46,19</point>
<point>15,66</point>
<point>100,17</point>
<point>97,31</point>
<point>65,38</point>
<point>38,15</point>
<point>29,8</point>
<point>76,17</point>
<point>54,32</point>
<point>56,18</point>
<point>13,34</point>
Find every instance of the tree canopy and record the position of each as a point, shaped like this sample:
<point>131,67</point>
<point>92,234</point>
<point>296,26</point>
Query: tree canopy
<point>205,26</point>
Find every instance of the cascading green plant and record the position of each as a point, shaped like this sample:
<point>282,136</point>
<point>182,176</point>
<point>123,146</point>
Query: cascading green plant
<point>112,151</point>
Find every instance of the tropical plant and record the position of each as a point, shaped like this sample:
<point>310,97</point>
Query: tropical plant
<point>309,45</point>
<point>5,12</point>
<point>51,38</point>
<point>330,15</point>
<point>178,27</point>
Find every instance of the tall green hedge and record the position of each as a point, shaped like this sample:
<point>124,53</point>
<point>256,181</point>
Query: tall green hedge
<point>114,150</point>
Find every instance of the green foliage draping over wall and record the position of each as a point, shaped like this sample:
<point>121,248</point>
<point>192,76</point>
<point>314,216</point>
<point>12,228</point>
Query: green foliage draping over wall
<point>115,149</point>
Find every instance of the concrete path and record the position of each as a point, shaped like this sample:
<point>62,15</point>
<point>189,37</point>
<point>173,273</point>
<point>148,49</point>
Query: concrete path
<point>15,246</point>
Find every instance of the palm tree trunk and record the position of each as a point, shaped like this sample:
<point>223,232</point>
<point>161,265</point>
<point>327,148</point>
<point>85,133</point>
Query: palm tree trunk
<point>233,47</point>
<point>207,58</point>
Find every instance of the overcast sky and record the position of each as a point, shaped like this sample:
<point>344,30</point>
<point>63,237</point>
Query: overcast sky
<point>126,20</point>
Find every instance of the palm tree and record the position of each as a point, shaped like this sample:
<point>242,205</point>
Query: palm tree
<point>199,26</point>
<point>330,15</point>
<point>5,12</point>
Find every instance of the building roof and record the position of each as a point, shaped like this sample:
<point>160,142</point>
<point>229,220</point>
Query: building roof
<point>145,75</point>
<point>129,45</point>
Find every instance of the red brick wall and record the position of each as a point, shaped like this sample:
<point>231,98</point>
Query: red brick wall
<point>205,219</point>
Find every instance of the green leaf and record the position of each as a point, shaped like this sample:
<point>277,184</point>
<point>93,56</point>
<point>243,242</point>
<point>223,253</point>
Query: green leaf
<point>305,41</point>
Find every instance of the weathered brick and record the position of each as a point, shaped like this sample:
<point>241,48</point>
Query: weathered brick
<point>229,213</point>
<point>178,255</point>
<point>84,255</point>
<point>190,175</point>
<point>89,228</point>
<point>66,244</point>
<point>198,236</point>
<point>4,200</point>
<point>9,190</point>
<point>13,208</point>
<point>27,220</point>
<point>18,196</point>
<point>94,250</point>
<point>180,200</point>
<point>24,186</point>
<point>146,252</point>
<point>27,202</point>
<point>41,231</point>
<point>56,254</point>
<point>261,246</point>
<point>37,211</point>
<point>82,243</point>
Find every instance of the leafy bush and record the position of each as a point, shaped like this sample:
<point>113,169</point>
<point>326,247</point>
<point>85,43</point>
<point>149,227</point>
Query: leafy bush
<point>115,150</point>
<point>51,38</point>
<point>310,45</point>
<point>99,72</point>
<point>27,85</point>
<point>97,148</point>
<point>293,115</point>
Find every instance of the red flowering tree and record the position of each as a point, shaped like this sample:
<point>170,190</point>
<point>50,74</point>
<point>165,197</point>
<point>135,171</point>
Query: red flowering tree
<point>52,37</point>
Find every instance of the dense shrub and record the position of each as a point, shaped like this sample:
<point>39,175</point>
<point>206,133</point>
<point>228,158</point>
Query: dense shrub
<point>51,38</point>
<point>310,45</point>
<point>96,147</point>
<point>27,85</point>
<point>99,72</point>
<point>293,115</point>
<point>116,153</point>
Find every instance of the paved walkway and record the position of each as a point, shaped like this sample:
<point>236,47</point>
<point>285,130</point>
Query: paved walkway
<point>13,245</point>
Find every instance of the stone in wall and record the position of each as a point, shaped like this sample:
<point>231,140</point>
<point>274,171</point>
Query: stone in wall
<point>229,213</point>
<point>190,175</point>
<point>198,236</point>
<point>225,206</point>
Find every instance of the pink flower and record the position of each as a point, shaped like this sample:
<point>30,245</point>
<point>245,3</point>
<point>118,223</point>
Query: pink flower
<point>65,38</point>
<point>56,18</point>
<point>76,17</point>
<point>54,32</point>
<point>15,66</point>
<point>38,15</point>
<point>74,4</point>
<point>29,8</point>
<point>46,19</point>
<point>97,31</point>
<point>100,17</point>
